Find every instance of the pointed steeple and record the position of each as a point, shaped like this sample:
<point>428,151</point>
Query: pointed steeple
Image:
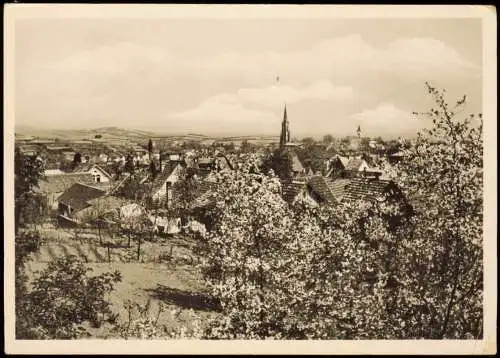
<point>285,130</point>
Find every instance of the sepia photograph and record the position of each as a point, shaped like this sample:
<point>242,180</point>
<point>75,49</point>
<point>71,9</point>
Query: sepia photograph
<point>250,179</point>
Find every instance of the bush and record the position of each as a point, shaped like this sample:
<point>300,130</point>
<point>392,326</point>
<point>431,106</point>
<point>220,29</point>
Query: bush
<point>64,296</point>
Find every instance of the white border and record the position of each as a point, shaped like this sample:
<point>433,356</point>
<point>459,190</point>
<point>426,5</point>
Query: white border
<point>488,16</point>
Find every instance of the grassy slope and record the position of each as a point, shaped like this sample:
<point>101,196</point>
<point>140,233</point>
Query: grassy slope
<point>178,283</point>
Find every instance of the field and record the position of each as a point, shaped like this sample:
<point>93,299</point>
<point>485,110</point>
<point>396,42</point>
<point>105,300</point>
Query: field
<point>174,280</point>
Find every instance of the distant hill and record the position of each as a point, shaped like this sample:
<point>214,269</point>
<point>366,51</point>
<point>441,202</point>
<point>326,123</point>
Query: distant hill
<point>112,132</point>
<point>105,132</point>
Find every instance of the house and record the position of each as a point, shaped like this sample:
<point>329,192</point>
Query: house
<point>222,162</point>
<point>106,207</point>
<point>28,150</point>
<point>50,172</point>
<point>297,167</point>
<point>103,157</point>
<point>161,187</point>
<point>205,165</point>
<point>292,191</point>
<point>356,165</point>
<point>98,172</point>
<point>335,166</point>
<point>138,150</point>
<point>53,186</point>
<point>206,199</point>
<point>58,149</point>
<point>396,157</point>
<point>324,190</point>
<point>73,201</point>
<point>68,155</point>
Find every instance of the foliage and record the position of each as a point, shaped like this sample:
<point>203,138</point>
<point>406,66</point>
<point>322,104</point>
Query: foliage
<point>142,323</point>
<point>246,146</point>
<point>314,157</point>
<point>355,270</point>
<point>64,296</point>
<point>150,146</point>
<point>328,138</point>
<point>445,166</point>
<point>308,141</point>
<point>26,243</point>
<point>184,191</point>
<point>280,161</point>
<point>129,164</point>
<point>77,159</point>
<point>28,171</point>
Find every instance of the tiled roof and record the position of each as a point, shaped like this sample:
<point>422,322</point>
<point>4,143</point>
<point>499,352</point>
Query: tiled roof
<point>163,176</point>
<point>366,188</point>
<point>109,204</point>
<point>341,159</point>
<point>59,183</point>
<point>204,200</point>
<point>85,168</point>
<point>110,201</point>
<point>206,192</point>
<point>337,187</point>
<point>319,185</point>
<point>78,196</point>
<point>349,189</point>
<point>296,164</point>
<point>205,185</point>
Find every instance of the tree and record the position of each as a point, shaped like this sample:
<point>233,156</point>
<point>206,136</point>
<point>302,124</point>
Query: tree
<point>129,164</point>
<point>142,323</point>
<point>313,157</point>
<point>243,251</point>
<point>150,147</point>
<point>246,146</point>
<point>280,161</point>
<point>292,274</point>
<point>77,159</point>
<point>446,167</point>
<point>26,243</point>
<point>184,192</point>
<point>356,269</point>
<point>64,296</point>
<point>328,138</point>
<point>308,141</point>
<point>364,144</point>
<point>152,169</point>
<point>28,171</point>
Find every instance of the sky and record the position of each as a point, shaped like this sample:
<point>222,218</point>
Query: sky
<point>220,76</point>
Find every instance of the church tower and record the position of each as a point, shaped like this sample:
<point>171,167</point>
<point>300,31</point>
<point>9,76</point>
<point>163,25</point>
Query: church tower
<point>285,131</point>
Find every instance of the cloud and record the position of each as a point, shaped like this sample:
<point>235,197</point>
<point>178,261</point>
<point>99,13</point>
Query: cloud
<point>133,84</point>
<point>256,109</point>
<point>348,55</point>
<point>276,95</point>
<point>214,116</point>
<point>386,118</point>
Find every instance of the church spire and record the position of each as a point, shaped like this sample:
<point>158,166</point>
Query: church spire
<point>285,130</point>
